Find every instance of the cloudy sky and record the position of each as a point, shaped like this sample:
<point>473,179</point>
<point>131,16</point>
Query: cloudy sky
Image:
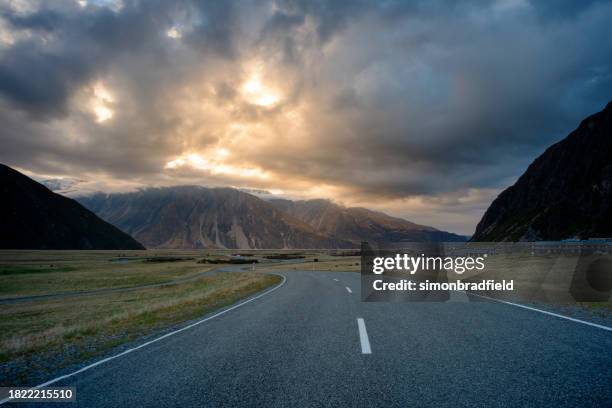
<point>424,109</point>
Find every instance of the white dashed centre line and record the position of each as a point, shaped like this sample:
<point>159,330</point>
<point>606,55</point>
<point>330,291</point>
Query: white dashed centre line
<point>363,337</point>
<point>349,290</point>
<point>336,280</point>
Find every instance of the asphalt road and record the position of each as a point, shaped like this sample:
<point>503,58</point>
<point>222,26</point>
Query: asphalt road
<point>300,345</point>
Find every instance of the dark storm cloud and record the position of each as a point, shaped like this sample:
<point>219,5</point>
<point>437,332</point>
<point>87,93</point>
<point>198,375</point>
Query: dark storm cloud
<point>215,27</point>
<point>373,100</point>
<point>41,84</point>
<point>563,9</point>
<point>66,50</point>
<point>486,90</point>
<point>69,47</point>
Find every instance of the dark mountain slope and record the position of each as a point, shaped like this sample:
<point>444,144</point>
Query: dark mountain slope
<point>33,217</point>
<point>565,193</point>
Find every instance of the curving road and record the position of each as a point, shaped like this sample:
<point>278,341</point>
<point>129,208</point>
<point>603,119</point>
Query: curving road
<point>302,345</point>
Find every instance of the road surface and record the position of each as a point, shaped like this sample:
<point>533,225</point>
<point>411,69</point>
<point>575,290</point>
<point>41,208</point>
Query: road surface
<point>313,343</point>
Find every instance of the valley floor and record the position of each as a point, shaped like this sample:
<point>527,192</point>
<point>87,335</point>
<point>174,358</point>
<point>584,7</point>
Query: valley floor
<point>307,340</point>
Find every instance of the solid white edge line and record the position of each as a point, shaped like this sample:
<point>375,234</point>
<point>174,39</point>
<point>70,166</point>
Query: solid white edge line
<point>105,360</point>
<point>348,289</point>
<point>599,326</point>
<point>363,337</point>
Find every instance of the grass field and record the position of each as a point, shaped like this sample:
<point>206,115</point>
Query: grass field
<point>26,273</point>
<point>30,273</point>
<point>38,337</point>
<point>324,263</point>
<point>46,335</point>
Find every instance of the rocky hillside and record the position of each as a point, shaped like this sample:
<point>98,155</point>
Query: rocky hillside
<point>34,217</point>
<point>565,193</point>
<point>360,224</point>
<point>198,217</point>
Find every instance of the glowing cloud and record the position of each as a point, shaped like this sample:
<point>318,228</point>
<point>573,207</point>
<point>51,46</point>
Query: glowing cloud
<point>102,113</point>
<point>174,33</point>
<point>99,103</point>
<point>255,92</point>
<point>216,166</point>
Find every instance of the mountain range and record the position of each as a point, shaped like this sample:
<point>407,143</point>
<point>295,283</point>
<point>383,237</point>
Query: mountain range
<point>565,193</point>
<point>199,217</point>
<point>34,217</point>
<point>358,224</point>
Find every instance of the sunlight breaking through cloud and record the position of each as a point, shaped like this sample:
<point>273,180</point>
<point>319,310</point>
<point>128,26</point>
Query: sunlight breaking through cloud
<point>216,166</point>
<point>100,102</point>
